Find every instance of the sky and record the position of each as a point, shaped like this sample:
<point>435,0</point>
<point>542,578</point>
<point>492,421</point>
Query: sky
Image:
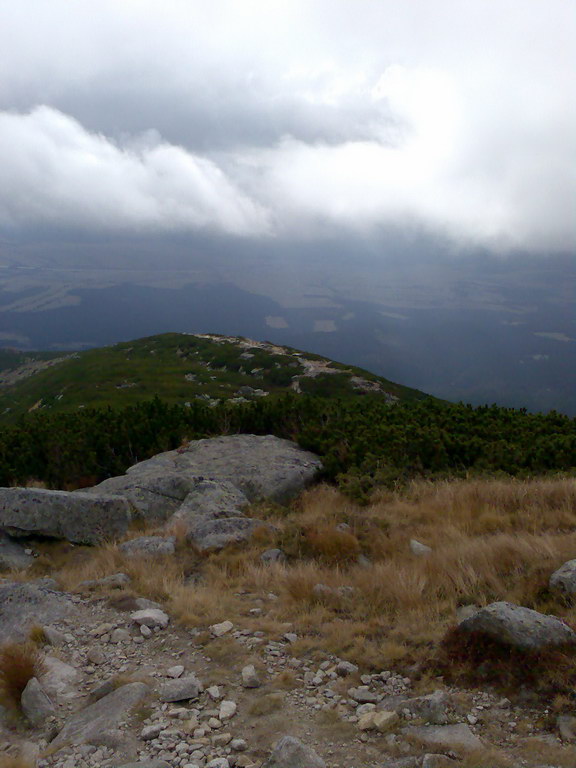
<point>284,119</point>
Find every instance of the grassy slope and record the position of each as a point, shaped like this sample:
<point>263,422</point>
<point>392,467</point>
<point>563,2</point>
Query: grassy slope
<point>127,372</point>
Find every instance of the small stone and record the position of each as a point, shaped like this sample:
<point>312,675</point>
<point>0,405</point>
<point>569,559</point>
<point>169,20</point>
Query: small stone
<point>176,671</point>
<point>345,668</point>
<point>227,710</point>
<point>120,636</point>
<point>238,745</point>
<point>181,689</point>
<point>36,703</point>
<point>150,732</point>
<point>221,629</point>
<point>250,678</point>
<point>95,656</point>
<point>418,548</point>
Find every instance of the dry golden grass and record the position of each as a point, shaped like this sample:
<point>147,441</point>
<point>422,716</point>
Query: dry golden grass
<point>19,663</point>
<point>267,704</point>
<point>491,540</point>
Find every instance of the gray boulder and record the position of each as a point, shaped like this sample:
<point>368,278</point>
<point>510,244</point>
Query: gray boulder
<point>154,496</point>
<point>262,467</point>
<point>149,546</point>
<point>92,723</point>
<point>23,605</point>
<point>210,499</point>
<point>36,703</point>
<point>216,534</point>
<point>273,556</point>
<point>181,689</point>
<point>290,752</point>
<point>78,517</point>
<point>458,738</point>
<point>518,626</point>
<point>564,579</point>
<point>13,555</point>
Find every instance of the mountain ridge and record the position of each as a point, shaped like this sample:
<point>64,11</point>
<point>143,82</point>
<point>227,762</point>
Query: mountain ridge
<point>179,367</point>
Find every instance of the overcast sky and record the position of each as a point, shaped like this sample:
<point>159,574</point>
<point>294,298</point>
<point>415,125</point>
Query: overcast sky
<point>277,118</point>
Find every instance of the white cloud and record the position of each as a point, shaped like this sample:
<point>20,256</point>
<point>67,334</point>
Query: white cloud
<point>293,115</point>
<point>55,172</point>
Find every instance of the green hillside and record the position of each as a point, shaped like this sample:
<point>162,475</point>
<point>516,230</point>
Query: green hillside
<point>178,368</point>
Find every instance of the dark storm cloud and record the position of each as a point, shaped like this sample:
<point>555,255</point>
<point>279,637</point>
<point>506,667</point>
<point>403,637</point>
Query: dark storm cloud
<point>265,118</point>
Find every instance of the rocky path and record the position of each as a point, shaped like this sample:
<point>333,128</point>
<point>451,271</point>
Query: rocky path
<point>125,684</point>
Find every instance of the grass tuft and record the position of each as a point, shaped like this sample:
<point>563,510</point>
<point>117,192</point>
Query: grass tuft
<point>19,663</point>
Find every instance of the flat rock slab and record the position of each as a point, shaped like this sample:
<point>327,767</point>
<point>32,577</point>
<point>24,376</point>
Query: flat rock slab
<point>262,467</point>
<point>23,605</point>
<point>181,689</point>
<point>290,752</point>
<point>105,715</point>
<point>519,627</point>
<point>13,555</point>
<point>81,518</point>
<point>457,738</point>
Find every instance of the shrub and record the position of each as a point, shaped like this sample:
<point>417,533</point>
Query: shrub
<point>19,663</point>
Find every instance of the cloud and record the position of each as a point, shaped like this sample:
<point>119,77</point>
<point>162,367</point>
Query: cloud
<point>54,172</point>
<point>292,116</point>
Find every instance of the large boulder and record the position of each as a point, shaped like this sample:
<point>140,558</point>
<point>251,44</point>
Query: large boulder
<point>24,605</point>
<point>290,752</point>
<point>519,627</point>
<point>564,579</point>
<point>92,723</point>
<point>262,467</point>
<point>13,555</point>
<point>78,517</point>
<point>154,495</point>
<point>149,546</point>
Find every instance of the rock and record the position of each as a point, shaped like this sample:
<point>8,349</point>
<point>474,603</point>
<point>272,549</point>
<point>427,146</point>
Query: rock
<point>150,732</point>
<point>381,721</point>
<point>151,617</point>
<point>114,581</point>
<point>519,627</point>
<point>120,635</point>
<point>13,555</point>
<point>345,668</point>
<point>322,592</point>
<point>217,630</point>
<point>227,710</point>
<point>564,579</point>
<point>182,689</point>
<point>210,500</point>
<point>23,605</point>
<point>60,680</point>
<point>566,725</point>
<point>363,695</point>
<point>144,764</point>
<point>78,517</point>
<point>430,708</point>
<point>36,703</point>
<point>465,612</point>
<point>216,534</point>
<point>250,678</point>
<point>273,556</point>
<point>147,546</point>
<point>238,745</point>
<point>452,738</point>
<point>290,752</point>
<point>95,656</point>
<point>176,671</point>
<point>262,467</point>
<point>418,548</point>
<point>438,761</point>
<point>154,496</point>
<point>88,725</point>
